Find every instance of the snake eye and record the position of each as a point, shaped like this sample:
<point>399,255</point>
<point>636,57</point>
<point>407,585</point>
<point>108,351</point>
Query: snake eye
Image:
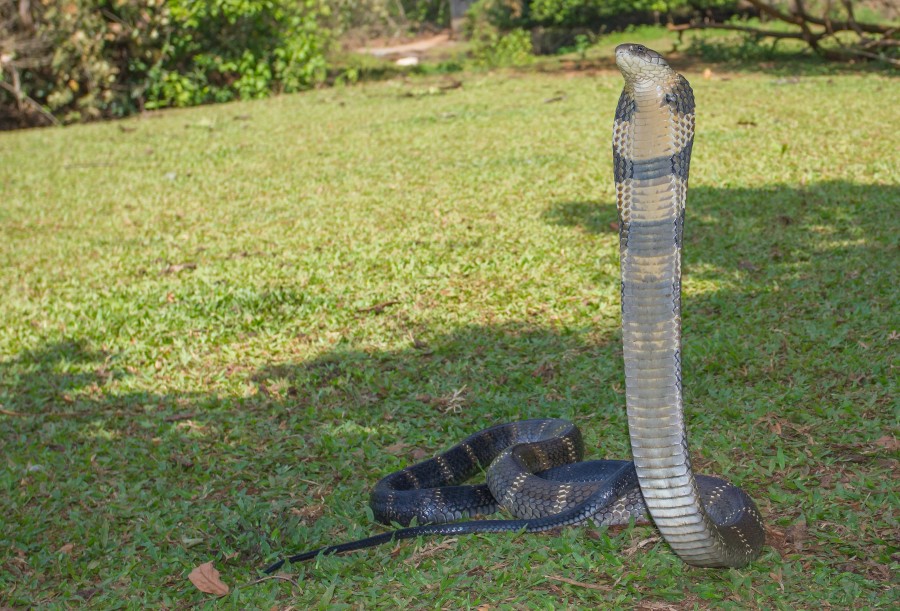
<point>639,48</point>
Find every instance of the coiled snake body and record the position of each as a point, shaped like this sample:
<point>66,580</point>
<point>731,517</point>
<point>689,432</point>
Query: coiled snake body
<point>532,466</point>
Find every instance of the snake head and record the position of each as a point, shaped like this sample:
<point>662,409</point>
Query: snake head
<point>637,63</point>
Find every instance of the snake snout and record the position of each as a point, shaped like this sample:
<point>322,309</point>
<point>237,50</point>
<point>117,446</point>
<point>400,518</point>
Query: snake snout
<point>633,58</point>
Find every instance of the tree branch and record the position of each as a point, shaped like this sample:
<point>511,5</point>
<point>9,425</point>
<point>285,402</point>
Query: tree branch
<point>23,96</point>
<point>809,31</point>
<point>736,28</point>
<point>771,11</point>
<point>802,15</point>
<point>870,55</point>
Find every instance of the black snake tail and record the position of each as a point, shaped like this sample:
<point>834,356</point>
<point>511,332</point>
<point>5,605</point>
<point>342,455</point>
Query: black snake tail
<point>618,483</point>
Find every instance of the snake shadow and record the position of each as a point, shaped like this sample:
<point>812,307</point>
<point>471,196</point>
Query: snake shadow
<point>772,273</point>
<point>766,231</point>
<point>758,262</point>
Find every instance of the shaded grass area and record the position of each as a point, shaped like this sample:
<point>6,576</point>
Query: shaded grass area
<point>222,326</point>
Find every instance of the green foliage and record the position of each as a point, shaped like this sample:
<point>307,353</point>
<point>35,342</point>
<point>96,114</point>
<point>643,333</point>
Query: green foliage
<point>504,15</point>
<point>595,14</point>
<point>492,49</point>
<point>422,12</point>
<point>76,59</point>
<point>496,29</point>
<point>225,49</point>
<point>86,59</point>
<point>580,45</point>
<point>373,18</point>
<point>735,46</point>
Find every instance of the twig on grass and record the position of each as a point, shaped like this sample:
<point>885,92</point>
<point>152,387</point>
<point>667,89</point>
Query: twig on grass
<point>580,584</point>
<point>378,308</point>
<point>279,577</point>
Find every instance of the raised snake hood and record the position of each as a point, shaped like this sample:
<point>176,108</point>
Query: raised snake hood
<point>653,136</point>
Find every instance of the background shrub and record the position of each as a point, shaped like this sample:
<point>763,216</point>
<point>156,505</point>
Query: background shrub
<point>491,48</point>
<point>220,50</point>
<point>85,59</point>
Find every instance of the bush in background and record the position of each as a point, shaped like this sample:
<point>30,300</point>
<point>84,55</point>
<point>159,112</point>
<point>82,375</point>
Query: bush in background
<point>491,48</point>
<point>594,15</point>
<point>566,24</point>
<point>74,60</point>
<point>357,22</point>
<point>220,50</point>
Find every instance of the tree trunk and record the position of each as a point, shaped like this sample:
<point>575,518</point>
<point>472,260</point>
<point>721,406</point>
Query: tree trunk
<point>458,10</point>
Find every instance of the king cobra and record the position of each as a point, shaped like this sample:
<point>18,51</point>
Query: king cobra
<point>533,468</point>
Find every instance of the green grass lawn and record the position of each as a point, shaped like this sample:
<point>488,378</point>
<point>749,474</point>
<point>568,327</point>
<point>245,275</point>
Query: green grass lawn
<point>221,326</point>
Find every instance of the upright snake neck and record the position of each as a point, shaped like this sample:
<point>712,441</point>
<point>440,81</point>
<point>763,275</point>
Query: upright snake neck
<point>652,142</point>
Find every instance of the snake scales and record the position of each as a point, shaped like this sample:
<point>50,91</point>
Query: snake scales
<point>533,467</point>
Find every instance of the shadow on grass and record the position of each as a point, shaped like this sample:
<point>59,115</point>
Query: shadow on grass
<point>53,373</point>
<point>790,259</point>
<point>770,229</point>
<point>786,344</point>
<point>472,376</point>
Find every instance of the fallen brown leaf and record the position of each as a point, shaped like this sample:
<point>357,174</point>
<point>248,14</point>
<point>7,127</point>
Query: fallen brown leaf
<point>775,427</point>
<point>191,426</point>
<point>795,536</point>
<point>309,513</point>
<point>177,417</point>
<point>593,534</point>
<point>206,579</point>
<point>889,443</point>
<point>67,548</point>
<point>653,605</point>
<point>181,460</point>
<point>778,578</point>
<point>85,593</point>
<point>395,448</point>
<point>545,371</point>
